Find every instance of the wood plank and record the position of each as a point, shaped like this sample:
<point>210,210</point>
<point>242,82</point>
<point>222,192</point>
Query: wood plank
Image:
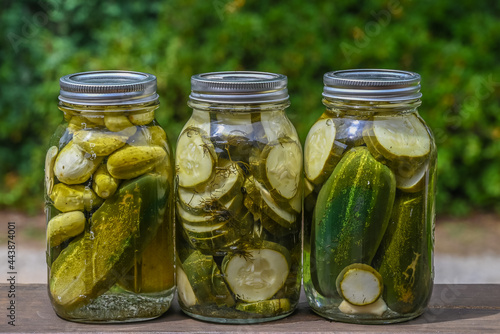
<point>453,309</point>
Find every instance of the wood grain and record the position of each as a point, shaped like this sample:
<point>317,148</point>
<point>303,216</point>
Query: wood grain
<point>453,309</point>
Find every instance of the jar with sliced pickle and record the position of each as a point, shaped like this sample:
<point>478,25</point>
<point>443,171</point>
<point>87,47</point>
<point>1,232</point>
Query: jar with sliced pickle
<point>370,174</point>
<point>109,201</point>
<point>239,200</point>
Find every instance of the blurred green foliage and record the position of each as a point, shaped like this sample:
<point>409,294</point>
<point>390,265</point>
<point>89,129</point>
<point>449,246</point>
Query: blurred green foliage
<point>453,45</point>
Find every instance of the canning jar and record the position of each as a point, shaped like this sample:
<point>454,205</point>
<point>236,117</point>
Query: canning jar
<point>109,201</point>
<point>239,200</point>
<point>370,167</point>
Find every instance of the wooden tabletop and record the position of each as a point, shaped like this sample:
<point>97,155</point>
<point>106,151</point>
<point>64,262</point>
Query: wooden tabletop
<point>453,309</point>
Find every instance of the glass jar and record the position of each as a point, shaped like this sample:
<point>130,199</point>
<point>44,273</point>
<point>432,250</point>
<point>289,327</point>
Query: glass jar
<point>370,166</point>
<point>109,201</point>
<point>239,200</point>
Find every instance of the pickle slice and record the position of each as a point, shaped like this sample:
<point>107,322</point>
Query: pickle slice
<point>359,284</point>
<point>276,125</point>
<point>198,269</point>
<point>321,153</point>
<point>221,291</point>
<point>262,205</point>
<point>401,136</point>
<point>195,158</point>
<point>204,282</point>
<point>200,120</point>
<point>268,308</point>
<point>232,135</point>
<point>401,142</point>
<point>214,238</point>
<point>257,274</point>
<point>225,185</point>
<point>213,213</point>
<point>414,183</point>
<point>186,292</point>
<point>279,167</point>
<point>275,228</point>
<point>273,210</point>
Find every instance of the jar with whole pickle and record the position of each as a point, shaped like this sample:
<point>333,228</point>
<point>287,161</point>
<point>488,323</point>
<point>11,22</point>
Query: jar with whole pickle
<point>239,200</point>
<point>370,167</point>
<point>109,200</point>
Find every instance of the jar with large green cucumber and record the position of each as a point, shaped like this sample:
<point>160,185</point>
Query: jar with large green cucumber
<point>109,199</point>
<point>239,200</point>
<point>370,174</point>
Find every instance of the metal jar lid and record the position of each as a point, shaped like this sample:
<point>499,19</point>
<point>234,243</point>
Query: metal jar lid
<point>108,88</point>
<point>372,85</point>
<point>239,87</point>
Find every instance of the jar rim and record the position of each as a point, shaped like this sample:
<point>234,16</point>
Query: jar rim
<point>109,87</point>
<point>372,85</point>
<point>239,87</point>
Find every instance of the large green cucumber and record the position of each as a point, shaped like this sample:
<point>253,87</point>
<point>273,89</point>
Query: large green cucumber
<point>403,256</point>
<point>121,228</point>
<point>350,217</point>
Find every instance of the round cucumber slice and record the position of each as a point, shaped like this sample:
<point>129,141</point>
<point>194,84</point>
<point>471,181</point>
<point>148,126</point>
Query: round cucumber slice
<point>414,183</point>
<point>268,308</point>
<point>225,185</point>
<point>258,274</point>
<point>308,188</point>
<point>212,215</point>
<point>320,151</point>
<point>359,284</point>
<point>283,167</point>
<point>275,211</point>
<point>192,219</point>
<point>276,125</point>
<point>216,238</point>
<point>296,202</point>
<point>200,120</point>
<point>186,293</point>
<point>401,142</point>
<point>221,291</point>
<point>232,135</point>
<point>195,158</point>
<point>274,228</point>
<point>401,136</point>
<point>205,231</point>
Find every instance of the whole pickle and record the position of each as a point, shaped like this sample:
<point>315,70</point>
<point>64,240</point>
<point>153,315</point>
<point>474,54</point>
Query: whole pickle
<point>98,142</point>
<point>117,123</point>
<point>50,159</point>
<point>150,135</point>
<point>64,226</point>
<point>142,118</point>
<point>77,123</point>
<point>132,161</point>
<point>104,184</point>
<point>74,166</point>
<point>69,198</point>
